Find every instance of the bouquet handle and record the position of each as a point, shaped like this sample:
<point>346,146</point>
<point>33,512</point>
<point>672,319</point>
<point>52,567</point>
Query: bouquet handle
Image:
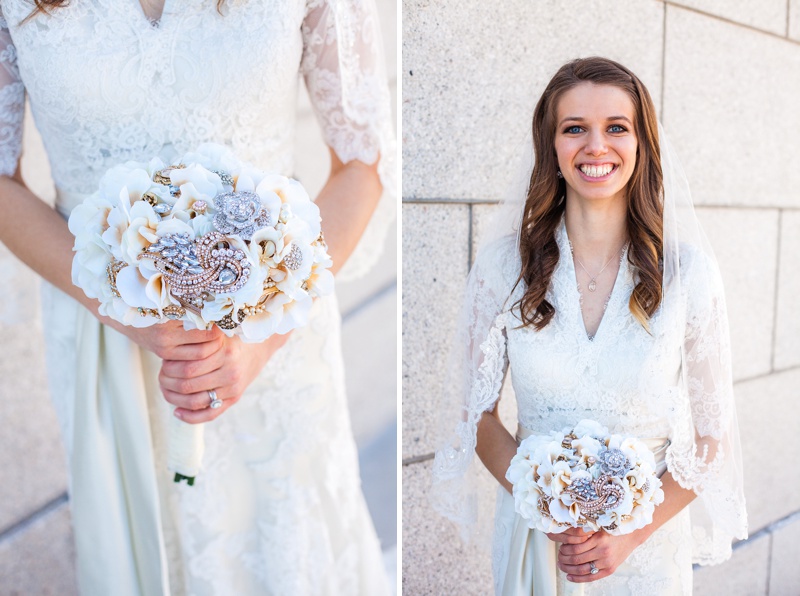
<point>185,449</point>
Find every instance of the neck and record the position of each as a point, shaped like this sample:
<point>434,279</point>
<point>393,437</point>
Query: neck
<point>597,229</point>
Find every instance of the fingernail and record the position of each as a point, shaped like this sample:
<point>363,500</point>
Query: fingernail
<point>178,415</point>
<point>570,578</point>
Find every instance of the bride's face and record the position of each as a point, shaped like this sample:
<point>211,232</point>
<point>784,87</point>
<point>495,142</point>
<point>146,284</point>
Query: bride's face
<point>595,141</point>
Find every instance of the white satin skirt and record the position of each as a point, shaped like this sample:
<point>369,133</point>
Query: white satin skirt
<point>277,507</point>
<point>524,560</point>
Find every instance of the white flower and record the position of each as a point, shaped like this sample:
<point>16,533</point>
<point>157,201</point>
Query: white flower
<point>520,468</point>
<point>591,428</point>
<point>140,234</point>
<point>564,514</point>
<point>132,287</point>
<point>587,447</point>
<point>292,193</point>
<point>266,245</point>
<point>89,270</point>
<point>196,183</point>
<point>131,179</point>
<point>260,326</point>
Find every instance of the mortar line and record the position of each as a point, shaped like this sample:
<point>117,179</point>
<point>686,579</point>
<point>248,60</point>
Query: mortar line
<point>446,200</point>
<point>777,292</point>
<point>26,522</point>
<point>370,300</point>
<point>417,458</point>
<point>732,22</point>
<point>766,374</point>
<point>453,201</point>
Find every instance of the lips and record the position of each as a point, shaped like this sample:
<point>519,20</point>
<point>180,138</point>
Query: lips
<point>597,171</point>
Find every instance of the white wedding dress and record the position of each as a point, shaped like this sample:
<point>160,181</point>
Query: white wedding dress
<point>630,381</point>
<point>277,508</point>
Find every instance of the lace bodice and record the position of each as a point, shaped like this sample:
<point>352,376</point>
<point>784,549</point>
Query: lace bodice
<point>106,85</point>
<point>624,378</point>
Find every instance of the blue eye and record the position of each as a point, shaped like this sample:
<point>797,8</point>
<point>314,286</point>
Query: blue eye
<point>572,130</point>
<point>616,128</point>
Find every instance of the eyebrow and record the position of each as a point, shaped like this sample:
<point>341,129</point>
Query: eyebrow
<point>579,119</point>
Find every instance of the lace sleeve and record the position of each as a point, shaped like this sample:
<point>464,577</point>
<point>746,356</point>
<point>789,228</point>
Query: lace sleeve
<point>12,103</point>
<point>475,376</point>
<point>346,80</point>
<point>705,454</point>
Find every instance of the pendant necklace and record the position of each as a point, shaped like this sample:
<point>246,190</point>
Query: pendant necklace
<point>593,278</point>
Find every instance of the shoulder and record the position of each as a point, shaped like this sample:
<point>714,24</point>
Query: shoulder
<point>697,265</point>
<point>499,259</point>
<point>700,278</point>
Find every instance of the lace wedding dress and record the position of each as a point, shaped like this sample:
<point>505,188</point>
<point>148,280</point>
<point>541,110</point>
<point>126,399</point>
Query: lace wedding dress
<point>277,508</point>
<point>670,383</point>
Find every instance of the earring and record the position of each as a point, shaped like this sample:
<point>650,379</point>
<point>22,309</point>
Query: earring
<point>559,174</point>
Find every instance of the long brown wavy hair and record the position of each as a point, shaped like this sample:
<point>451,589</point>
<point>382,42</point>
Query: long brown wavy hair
<point>546,200</point>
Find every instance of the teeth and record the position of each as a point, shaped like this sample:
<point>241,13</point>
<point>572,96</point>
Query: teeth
<point>597,171</point>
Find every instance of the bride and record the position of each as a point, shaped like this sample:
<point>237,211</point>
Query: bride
<point>277,508</point>
<point>606,304</point>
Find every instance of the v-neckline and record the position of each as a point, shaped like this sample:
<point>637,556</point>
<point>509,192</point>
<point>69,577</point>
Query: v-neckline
<point>573,276</point>
<point>153,24</point>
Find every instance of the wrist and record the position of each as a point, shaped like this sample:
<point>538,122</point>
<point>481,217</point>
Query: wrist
<point>641,535</point>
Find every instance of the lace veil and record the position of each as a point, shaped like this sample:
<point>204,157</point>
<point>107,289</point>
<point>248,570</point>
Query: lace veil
<point>704,454</point>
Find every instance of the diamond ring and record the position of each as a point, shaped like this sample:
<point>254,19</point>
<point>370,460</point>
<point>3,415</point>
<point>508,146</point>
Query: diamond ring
<point>594,569</point>
<point>215,401</point>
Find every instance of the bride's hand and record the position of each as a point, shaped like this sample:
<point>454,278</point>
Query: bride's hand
<point>571,536</point>
<point>170,341</point>
<point>228,371</point>
<point>607,552</point>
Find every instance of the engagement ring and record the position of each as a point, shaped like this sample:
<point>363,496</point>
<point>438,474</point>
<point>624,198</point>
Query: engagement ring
<point>594,569</point>
<point>215,401</point>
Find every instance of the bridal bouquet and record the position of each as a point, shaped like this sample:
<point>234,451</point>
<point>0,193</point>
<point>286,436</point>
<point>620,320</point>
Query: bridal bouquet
<point>205,239</point>
<point>585,477</point>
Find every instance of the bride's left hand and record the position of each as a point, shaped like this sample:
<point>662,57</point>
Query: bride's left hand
<point>229,371</point>
<point>607,552</point>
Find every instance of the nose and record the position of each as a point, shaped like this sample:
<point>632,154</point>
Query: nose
<point>596,143</point>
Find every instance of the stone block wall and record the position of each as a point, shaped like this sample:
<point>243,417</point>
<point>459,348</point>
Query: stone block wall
<point>725,78</point>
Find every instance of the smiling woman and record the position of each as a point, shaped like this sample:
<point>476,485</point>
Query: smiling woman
<point>605,303</point>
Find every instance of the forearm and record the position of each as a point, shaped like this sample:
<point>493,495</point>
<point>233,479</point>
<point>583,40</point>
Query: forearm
<point>346,204</point>
<point>495,446</point>
<point>39,237</point>
<point>675,499</point>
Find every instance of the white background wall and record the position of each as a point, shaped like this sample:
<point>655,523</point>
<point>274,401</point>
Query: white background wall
<point>36,553</point>
<point>725,78</point>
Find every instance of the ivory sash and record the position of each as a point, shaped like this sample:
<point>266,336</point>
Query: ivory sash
<point>114,495</point>
<point>532,561</point>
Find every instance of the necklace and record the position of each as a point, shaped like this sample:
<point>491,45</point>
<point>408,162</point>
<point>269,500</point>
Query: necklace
<point>593,278</point>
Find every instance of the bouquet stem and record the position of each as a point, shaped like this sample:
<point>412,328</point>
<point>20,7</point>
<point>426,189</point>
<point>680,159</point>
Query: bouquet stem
<point>185,450</point>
